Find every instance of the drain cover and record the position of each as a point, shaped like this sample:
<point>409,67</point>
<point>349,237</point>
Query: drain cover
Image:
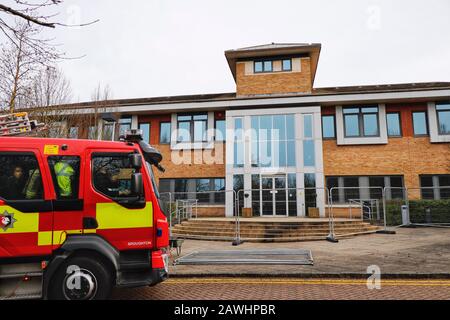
<point>274,256</point>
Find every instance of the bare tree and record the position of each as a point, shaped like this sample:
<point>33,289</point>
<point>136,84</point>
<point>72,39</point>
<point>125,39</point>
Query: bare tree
<point>40,13</point>
<point>99,98</point>
<point>20,61</point>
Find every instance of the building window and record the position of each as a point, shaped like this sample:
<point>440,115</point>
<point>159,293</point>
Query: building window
<point>393,124</point>
<point>435,187</point>
<point>308,153</point>
<point>366,188</point>
<point>73,133</point>
<point>286,65</point>
<point>204,190</point>
<point>108,131</point>
<point>164,132</point>
<point>268,67</point>
<point>238,143</point>
<point>328,127</point>
<point>263,66</point>
<point>192,128</point>
<point>361,121</point>
<point>443,117</point>
<point>92,133</point>
<point>124,125</point>
<point>220,134</point>
<point>145,127</point>
<point>273,141</point>
<point>420,123</point>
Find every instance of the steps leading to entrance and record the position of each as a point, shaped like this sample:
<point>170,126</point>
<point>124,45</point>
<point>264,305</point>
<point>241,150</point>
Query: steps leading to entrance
<point>269,231</point>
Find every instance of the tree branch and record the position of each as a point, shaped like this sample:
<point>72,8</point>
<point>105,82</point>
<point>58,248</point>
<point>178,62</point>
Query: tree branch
<point>26,17</point>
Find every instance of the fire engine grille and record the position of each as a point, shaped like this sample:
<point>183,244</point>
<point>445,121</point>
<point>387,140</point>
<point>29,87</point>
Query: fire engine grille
<point>274,256</point>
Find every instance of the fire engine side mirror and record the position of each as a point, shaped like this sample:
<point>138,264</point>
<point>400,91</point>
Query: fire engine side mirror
<point>135,160</point>
<point>137,185</point>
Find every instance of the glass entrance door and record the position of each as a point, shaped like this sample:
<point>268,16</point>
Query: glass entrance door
<point>273,196</point>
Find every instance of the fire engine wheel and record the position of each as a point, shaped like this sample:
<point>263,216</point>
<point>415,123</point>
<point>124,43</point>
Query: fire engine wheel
<point>81,278</point>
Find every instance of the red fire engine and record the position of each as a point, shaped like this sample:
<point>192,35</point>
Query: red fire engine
<point>78,217</point>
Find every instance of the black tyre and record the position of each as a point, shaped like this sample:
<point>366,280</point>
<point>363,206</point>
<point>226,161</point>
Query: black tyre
<point>81,278</point>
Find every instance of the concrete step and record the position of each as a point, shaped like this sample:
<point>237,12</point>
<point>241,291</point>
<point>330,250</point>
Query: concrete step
<point>264,229</point>
<point>268,233</point>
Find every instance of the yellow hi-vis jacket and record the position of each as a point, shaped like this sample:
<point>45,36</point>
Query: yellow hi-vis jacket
<point>64,173</point>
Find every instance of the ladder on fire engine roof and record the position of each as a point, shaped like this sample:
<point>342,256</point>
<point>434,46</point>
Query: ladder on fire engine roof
<point>18,124</point>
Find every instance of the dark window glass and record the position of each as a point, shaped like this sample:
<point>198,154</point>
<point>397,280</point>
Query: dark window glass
<point>258,66</point>
<point>292,194</point>
<point>310,194</point>
<point>145,127</point>
<point>111,175</point>
<point>164,185</point>
<point>393,124</point>
<point>443,115</point>
<point>397,188</point>
<point>426,182</point>
<point>351,190</point>
<point>202,188</point>
<point>444,184</point>
<point>333,182</point>
<point>420,123</point>
<point>65,172</point>
<point>286,65</point>
<point>164,133</point>
<point>220,130</point>
<point>376,187</point>
<point>20,177</point>
<point>328,130</point>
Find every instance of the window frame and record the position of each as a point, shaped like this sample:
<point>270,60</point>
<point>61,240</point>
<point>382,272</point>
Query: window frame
<point>149,129</point>
<point>43,183</point>
<point>192,122</point>
<point>118,200</point>
<point>399,123</point>
<point>360,115</point>
<point>215,130</point>
<point>334,127</point>
<point>290,64</point>
<point>160,131</point>
<point>54,178</point>
<point>427,129</point>
<point>438,120</point>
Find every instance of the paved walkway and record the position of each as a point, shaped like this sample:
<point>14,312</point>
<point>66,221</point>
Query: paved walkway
<point>287,289</point>
<point>421,252</point>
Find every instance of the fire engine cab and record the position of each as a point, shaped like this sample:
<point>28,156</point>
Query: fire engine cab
<point>79,217</point>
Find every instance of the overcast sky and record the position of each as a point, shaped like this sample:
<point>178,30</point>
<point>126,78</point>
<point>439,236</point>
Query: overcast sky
<point>172,47</point>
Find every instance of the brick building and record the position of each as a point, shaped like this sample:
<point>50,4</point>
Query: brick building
<point>277,131</point>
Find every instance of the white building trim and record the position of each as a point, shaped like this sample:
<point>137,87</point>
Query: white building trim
<point>261,102</point>
<point>340,135</point>
<point>433,125</point>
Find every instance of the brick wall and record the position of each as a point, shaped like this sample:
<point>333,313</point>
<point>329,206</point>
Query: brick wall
<point>198,163</point>
<point>274,82</point>
<point>408,155</point>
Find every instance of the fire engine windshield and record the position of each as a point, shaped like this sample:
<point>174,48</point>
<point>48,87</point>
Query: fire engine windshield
<point>152,177</point>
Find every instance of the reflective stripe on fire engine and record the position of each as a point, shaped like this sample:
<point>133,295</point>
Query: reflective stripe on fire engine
<point>114,216</point>
<point>25,222</point>
<point>59,236</point>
